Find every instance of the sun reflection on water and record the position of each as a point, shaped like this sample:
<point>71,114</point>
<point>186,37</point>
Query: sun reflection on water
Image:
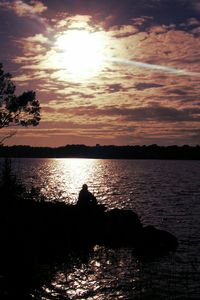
<point>101,276</point>
<point>66,177</point>
<point>160,192</point>
<point>62,179</point>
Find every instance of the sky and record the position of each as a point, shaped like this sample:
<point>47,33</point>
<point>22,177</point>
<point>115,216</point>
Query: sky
<point>105,72</point>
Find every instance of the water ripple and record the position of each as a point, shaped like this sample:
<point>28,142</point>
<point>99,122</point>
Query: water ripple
<point>163,193</point>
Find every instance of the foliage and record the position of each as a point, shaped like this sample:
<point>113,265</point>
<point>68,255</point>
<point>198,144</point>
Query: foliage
<point>10,188</point>
<point>15,110</point>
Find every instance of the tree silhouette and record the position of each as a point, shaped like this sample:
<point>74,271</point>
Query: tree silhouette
<point>15,110</point>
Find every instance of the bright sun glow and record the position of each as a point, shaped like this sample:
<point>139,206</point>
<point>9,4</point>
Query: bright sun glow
<point>81,52</point>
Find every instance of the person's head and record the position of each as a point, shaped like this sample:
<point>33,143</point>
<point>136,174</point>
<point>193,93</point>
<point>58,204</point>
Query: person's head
<point>85,187</point>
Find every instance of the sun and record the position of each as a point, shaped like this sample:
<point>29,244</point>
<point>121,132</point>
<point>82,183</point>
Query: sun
<point>82,53</point>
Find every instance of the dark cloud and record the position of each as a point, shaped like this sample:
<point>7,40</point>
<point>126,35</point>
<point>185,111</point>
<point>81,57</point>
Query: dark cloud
<point>123,12</point>
<point>143,86</point>
<point>139,114</point>
<point>23,25</point>
<point>161,114</point>
<point>181,92</point>
<point>19,19</point>
<point>114,88</point>
<point>195,136</point>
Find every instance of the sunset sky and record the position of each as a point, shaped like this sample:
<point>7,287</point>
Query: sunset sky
<point>107,72</point>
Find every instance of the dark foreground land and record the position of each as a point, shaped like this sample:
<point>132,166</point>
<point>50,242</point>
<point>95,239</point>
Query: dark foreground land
<point>34,231</point>
<point>117,152</point>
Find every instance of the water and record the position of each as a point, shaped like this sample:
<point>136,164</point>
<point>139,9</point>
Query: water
<point>163,193</point>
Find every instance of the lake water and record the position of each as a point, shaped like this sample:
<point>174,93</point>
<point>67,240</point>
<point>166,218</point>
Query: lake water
<point>165,194</point>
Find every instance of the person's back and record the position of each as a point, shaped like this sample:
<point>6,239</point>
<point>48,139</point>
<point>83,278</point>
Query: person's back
<point>85,197</point>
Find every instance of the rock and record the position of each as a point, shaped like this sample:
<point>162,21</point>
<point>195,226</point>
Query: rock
<point>120,228</point>
<point>153,241</point>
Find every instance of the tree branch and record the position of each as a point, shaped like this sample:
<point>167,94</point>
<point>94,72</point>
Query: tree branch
<point>9,135</point>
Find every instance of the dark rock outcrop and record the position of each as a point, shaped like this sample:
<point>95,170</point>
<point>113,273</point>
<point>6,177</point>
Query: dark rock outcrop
<point>123,228</point>
<point>50,229</point>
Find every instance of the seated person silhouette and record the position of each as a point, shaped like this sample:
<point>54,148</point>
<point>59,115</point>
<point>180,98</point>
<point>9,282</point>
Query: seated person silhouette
<point>86,198</point>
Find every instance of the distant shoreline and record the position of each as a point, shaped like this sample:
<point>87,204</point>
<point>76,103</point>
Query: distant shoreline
<point>104,152</point>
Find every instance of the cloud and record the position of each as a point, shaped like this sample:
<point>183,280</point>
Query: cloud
<point>196,5</point>
<point>124,31</point>
<point>109,14</point>
<point>160,49</point>
<point>20,8</point>
<point>181,92</point>
<point>32,10</point>
<point>114,88</point>
<point>143,86</point>
<point>137,99</point>
<point>37,38</point>
<point>161,114</point>
<point>139,114</point>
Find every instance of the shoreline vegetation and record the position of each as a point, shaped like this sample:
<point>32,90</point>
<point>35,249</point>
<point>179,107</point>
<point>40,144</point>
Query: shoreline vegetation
<point>154,151</point>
